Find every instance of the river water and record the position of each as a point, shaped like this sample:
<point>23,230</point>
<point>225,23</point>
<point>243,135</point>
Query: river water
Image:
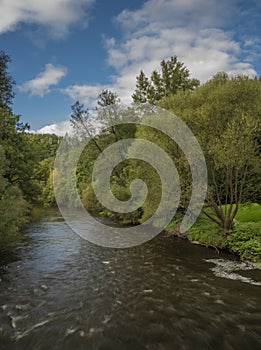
<point>58,291</point>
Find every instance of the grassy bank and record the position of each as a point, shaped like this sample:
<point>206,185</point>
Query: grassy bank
<point>244,240</point>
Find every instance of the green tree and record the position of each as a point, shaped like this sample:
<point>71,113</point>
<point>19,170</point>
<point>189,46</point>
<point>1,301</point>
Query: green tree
<point>174,76</point>
<point>110,115</point>
<point>17,160</point>
<point>108,111</point>
<point>224,114</point>
<point>20,156</point>
<point>6,82</point>
<point>81,122</point>
<point>108,98</point>
<point>12,216</point>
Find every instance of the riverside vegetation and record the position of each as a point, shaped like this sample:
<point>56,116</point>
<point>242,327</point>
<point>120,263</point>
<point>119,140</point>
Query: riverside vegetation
<point>224,115</point>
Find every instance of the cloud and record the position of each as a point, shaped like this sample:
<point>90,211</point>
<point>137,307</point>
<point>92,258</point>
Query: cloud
<point>177,13</point>
<point>55,15</point>
<point>40,85</point>
<point>59,129</point>
<point>204,53</point>
<point>87,94</point>
<point>65,127</point>
<point>191,30</point>
<point>200,33</point>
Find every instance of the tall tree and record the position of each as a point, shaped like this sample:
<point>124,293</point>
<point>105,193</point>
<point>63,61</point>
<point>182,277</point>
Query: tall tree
<point>108,110</point>
<point>174,76</point>
<point>108,98</point>
<point>15,158</point>
<point>225,114</point>
<point>81,122</point>
<point>6,82</point>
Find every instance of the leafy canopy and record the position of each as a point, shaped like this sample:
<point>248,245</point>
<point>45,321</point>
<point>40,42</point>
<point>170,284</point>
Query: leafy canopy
<point>174,76</point>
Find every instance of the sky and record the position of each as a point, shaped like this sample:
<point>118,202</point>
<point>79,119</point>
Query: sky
<point>68,50</point>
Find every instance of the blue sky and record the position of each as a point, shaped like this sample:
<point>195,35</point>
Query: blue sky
<point>64,50</point>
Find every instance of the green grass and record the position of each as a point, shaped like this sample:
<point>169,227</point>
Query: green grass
<point>244,240</point>
<point>249,212</point>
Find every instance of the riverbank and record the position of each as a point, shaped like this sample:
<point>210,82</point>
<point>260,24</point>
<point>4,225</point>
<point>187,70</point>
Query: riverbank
<point>12,234</point>
<point>244,240</point>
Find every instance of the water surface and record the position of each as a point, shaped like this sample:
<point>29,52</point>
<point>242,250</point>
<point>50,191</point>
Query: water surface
<point>58,291</point>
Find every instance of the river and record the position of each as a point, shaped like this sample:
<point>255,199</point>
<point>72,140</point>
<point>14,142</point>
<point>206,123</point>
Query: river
<point>58,291</point>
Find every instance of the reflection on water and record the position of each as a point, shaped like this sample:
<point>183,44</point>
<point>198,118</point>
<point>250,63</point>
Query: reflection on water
<point>61,292</point>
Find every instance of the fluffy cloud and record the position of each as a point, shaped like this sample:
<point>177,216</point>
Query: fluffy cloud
<point>189,29</point>
<point>86,94</point>
<point>40,85</point>
<point>55,15</point>
<point>199,33</point>
<point>204,53</point>
<point>59,129</point>
<point>65,127</point>
<point>177,13</point>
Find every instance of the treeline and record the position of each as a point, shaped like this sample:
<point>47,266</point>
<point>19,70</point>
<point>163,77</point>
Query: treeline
<point>25,163</point>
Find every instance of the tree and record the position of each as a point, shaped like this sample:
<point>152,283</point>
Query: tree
<point>20,156</point>
<point>81,122</point>
<point>108,98</point>
<point>12,217</point>
<point>16,158</point>
<point>44,148</point>
<point>108,111</point>
<point>224,114</point>
<point>6,82</point>
<point>174,76</point>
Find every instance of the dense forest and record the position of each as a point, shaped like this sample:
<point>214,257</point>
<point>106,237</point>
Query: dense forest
<point>223,113</point>
<point>25,166</point>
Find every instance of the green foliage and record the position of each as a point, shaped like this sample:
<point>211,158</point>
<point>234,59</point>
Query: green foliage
<point>119,185</point>
<point>6,82</point>
<point>44,147</point>
<point>108,98</point>
<point>224,114</point>
<point>174,76</point>
<point>109,110</point>
<point>15,166</point>
<point>246,240</point>
<point>47,196</point>
<point>207,233</point>
<point>149,175</point>
<point>90,201</point>
<point>13,207</point>
<point>14,212</point>
<point>24,172</point>
<point>249,212</point>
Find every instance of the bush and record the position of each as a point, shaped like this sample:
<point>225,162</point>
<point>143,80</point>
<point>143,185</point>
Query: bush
<point>245,240</point>
<point>13,213</point>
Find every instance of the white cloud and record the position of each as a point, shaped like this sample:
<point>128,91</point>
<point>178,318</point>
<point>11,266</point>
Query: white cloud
<point>40,85</point>
<point>59,129</point>
<point>86,94</point>
<point>55,15</point>
<point>65,127</point>
<point>197,32</point>
<point>189,29</point>
<point>177,13</point>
